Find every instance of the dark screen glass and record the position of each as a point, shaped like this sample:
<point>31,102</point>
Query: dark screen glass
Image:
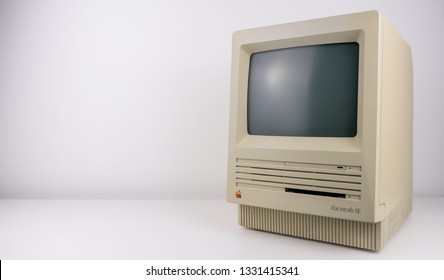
<point>304,91</point>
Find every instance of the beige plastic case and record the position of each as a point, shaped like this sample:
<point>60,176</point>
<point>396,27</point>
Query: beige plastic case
<point>371,174</point>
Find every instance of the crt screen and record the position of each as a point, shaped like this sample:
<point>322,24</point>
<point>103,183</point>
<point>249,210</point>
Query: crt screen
<point>304,91</point>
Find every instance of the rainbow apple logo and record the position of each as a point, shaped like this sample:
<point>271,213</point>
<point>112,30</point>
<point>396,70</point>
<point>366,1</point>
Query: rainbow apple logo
<point>238,194</point>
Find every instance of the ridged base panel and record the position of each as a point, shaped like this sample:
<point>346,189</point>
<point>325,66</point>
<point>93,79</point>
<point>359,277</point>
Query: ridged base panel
<point>370,236</point>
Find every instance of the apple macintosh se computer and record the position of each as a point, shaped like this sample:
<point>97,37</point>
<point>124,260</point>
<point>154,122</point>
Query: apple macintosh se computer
<point>320,140</point>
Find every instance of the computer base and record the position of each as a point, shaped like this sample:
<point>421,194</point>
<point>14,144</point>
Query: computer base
<point>370,236</point>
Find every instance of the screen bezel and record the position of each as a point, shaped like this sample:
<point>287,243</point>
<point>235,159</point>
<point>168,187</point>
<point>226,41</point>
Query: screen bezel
<point>244,139</point>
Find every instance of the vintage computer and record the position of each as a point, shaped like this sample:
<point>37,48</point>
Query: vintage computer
<point>320,137</point>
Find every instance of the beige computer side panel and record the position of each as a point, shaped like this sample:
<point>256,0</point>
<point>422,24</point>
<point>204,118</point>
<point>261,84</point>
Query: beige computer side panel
<point>396,143</point>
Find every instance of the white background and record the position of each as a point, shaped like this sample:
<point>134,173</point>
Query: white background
<point>129,99</point>
<point>185,229</point>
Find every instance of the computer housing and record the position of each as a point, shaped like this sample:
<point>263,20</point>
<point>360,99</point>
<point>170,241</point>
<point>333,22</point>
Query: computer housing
<point>354,188</point>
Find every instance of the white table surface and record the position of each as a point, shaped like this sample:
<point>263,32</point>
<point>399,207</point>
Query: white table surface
<point>184,229</point>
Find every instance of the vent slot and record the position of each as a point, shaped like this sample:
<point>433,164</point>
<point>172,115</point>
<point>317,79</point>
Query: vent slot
<point>345,232</point>
<point>329,194</point>
<point>329,180</point>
